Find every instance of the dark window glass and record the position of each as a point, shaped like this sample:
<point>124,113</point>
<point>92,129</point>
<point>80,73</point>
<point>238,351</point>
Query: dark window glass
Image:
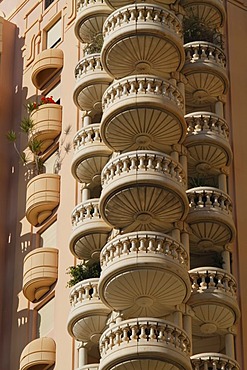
<point>48,3</point>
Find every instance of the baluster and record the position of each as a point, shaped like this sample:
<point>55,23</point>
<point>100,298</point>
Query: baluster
<point>96,210</point>
<point>118,168</point>
<point>125,249</point>
<point>211,283</point>
<point>143,333</point>
<point>142,245</point>
<point>194,278</point>
<point>88,208</point>
<point>151,245</point>
<point>152,335</point>
<point>125,165</point>
<point>133,333</point>
<point>133,163</point>
<point>87,295</point>
<point>95,291</point>
<point>160,248</point>
<point>167,247</point>
<point>141,88</point>
<point>133,87</point>
<point>200,202</point>
<point>150,165</point>
<point>141,15</point>
<point>97,135</point>
<point>133,244</point>
<point>203,284</point>
<point>125,335</point>
<point>132,15</point>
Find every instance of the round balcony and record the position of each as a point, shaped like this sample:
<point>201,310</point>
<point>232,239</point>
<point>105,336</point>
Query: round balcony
<point>144,273</point>
<point>91,82</point>
<point>88,315</point>
<point>145,343</point>
<point>45,66</point>
<point>40,272</point>
<point>142,112</point>
<point>214,300</point>
<point>210,219</point>
<point>210,12</point>
<point>119,3</point>
<point>38,354</point>
<point>91,15</point>
<point>205,70</point>
<point>208,144</point>
<point>142,38</point>
<point>90,155</point>
<point>90,231</point>
<point>216,361</point>
<point>47,120</point>
<point>143,190</point>
<point>43,196</point>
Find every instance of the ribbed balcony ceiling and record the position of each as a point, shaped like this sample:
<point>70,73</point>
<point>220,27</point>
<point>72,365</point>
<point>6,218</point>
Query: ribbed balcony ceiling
<point>214,300</point>
<point>88,315</point>
<point>216,361</point>
<point>205,70</point>
<point>119,3</point>
<point>208,144</point>
<point>144,273</point>
<point>90,231</point>
<point>210,219</point>
<point>210,12</point>
<point>142,112</point>
<point>145,343</point>
<point>91,82</point>
<point>143,190</point>
<point>90,18</point>
<point>142,38</point>
<point>90,155</point>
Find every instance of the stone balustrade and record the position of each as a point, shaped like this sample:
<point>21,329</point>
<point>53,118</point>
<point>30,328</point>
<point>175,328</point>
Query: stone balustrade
<point>210,278</point>
<point>81,4</point>
<point>141,243</point>
<point>140,13</point>
<point>146,332</point>
<point>139,86</point>
<point>148,161</point>
<point>85,211</point>
<point>84,290</point>
<point>206,122</point>
<point>87,135</point>
<point>88,64</point>
<point>204,51</point>
<point>215,361</point>
<point>209,198</point>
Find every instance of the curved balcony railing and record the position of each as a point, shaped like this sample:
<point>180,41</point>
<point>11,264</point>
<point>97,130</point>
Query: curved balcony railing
<point>130,281</point>
<point>90,154</point>
<point>39,354</point>
<point>205,51</point>
<point>142,112</point>
<point>216,361</point>
<point>143,339</point>
<point>88,314</point>
<point>160,179</point>
<point>120,3</point>
<point>91,15</point>
<point>210,217</point>
<point>90,231</point>
<point>128,29</point>
<point>91,82</point>
<point>208,143</point>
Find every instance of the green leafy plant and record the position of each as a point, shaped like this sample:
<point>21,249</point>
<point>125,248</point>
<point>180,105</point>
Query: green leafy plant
<point>95,45</point>
<point>83,271</point>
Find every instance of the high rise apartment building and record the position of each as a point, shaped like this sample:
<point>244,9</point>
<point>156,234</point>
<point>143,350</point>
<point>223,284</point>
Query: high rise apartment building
<point>150,96</point>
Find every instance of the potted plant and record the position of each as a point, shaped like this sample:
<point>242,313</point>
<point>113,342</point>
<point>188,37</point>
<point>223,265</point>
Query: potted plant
<point>83,271</point>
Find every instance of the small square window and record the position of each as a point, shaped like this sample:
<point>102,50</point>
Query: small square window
<point>54,35</point>
<point>48,3</point>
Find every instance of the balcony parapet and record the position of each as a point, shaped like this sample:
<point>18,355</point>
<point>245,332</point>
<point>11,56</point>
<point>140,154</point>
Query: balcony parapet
<point>207,142</point>
<point>88,314</point>
<point>129,28</point>
<point>143,339</point>
<point>142,112</point>
<point>90,154</point>
<point>210,218</point>
<point>40,271</point>
<point>91,82</point>
<point>120,3</point>
<point>216,361</point>
<point>144,272</point>
<point>43,196</point>
<point>40,353</point>
<point>90,231</point>
<point>91,15</point>
<point>160,179</point>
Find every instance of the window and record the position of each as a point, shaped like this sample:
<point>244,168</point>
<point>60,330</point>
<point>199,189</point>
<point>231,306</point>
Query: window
<point>45,319</point>
<point>54,35</point>
<point>48,3</point>
<point>48,238</point>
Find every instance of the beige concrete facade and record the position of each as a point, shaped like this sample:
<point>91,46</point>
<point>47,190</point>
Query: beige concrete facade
<point>143,170</point>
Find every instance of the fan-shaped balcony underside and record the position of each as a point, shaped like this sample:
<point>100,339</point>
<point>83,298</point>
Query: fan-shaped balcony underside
<point>210,12</point>
<point>144,285</point>
<point>87,320</point>
<point>88,92</point>
<point>138,49</point>
<point>205,83</point>
<point>90,20</point>
<point>87,239</point>
<point>147,364</point>
<point>211,229</point>
<point>140,202</point>
<point>88,163</point>
<point>133,124</point>
<point>119,3</point>
<point>208,153</point>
